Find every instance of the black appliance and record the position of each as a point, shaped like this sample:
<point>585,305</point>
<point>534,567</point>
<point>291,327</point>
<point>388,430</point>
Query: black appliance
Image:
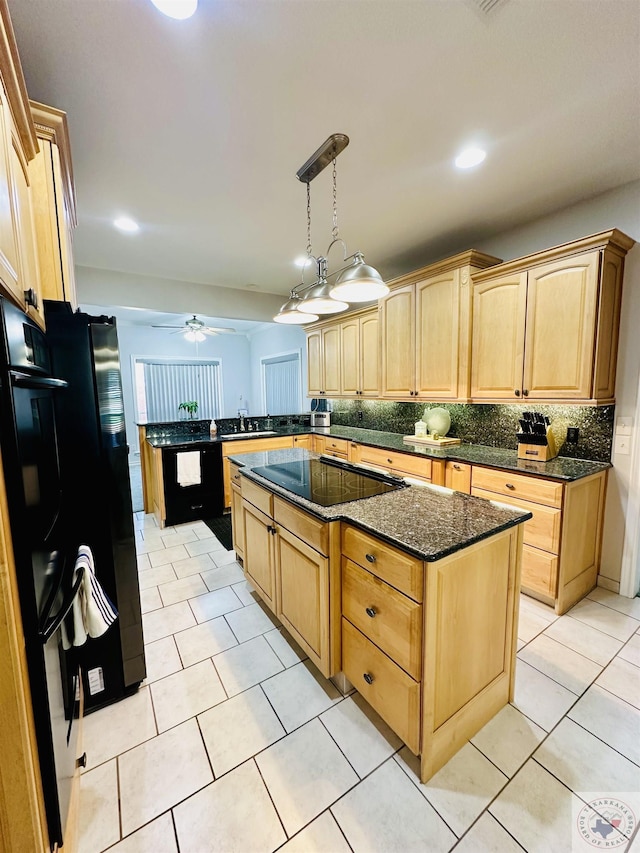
<point>95,477</point>
<point>328,481</point>
<point>201,500</point>
<point>44,548</point>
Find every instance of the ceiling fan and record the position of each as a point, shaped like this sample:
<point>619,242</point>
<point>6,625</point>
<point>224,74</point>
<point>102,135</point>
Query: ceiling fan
<point>195,329</point>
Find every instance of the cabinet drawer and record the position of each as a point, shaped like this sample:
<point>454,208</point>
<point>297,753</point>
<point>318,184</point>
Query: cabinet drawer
<point>254,445</point>
<point>234,475</point>
<point>539,571</point>
<point>258,496</point>
<point>335,445</point>
<point>391,692</point>
<point>527,488</point>
<point>541,531</point>
<point>398,569</point>
<point>457,476</point>
<point>388,618</point>
<point>303,525</point>
<point>391,459</point>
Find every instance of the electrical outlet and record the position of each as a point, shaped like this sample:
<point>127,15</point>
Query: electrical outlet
<point>360,416</point>
<point>622,445</point>
<point>573,434</point>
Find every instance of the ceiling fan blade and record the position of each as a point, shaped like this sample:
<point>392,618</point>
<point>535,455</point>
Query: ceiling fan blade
<point>212,330</point>
<point>167,327</point>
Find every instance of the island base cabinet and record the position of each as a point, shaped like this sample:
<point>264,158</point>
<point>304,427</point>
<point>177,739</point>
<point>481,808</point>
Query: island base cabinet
<point>470,625</point>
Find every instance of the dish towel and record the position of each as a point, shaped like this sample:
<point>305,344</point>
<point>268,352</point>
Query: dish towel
<point>92,611</point>
<point>188,468</point>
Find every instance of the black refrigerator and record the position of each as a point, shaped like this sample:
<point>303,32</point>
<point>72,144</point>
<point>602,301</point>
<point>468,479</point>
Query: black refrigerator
<point>94,464</point>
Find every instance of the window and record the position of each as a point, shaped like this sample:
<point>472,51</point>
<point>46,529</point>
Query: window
<point>281,382</point>
<point>162,384</point>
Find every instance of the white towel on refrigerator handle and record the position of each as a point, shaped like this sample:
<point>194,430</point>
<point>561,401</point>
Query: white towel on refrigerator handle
<point>188,471</point>
<point>92,611</point>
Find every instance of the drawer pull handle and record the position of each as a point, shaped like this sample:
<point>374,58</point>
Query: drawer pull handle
<point>196,506</point>
<point>236,476</point>
<point>525,393</point>
<point>370,558</point>
<point>390,461</point>
<point>517,392</point>
<point>82,761</point>
<point>457,468</point>
<point>510,486</point>
<point>368,678</point>
<point>371,611</point>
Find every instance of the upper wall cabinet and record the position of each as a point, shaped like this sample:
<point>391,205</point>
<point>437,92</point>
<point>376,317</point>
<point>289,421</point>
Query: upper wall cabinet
<point>18,145</point>
<point>425,327</point>
<point>359,355</point>
<point>54,204</point>
<point>323,361</point>
<point>545,327</point>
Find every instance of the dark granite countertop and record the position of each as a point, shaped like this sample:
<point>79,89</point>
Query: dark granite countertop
<point>429,522</point>
<point>560,468</point>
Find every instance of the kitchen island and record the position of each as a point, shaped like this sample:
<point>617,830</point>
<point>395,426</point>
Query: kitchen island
<point>411,596</point>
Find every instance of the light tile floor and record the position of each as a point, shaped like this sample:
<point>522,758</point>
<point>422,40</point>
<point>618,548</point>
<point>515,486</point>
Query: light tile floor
<point>235,742</point>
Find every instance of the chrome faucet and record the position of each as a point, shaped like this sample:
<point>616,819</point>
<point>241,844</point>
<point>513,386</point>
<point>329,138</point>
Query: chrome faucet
<point>241,423</point>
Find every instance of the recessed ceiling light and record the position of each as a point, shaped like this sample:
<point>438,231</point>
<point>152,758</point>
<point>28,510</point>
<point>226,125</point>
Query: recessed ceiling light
<point>178,9</point>
<point>470,157</point>
<point>125,223</point>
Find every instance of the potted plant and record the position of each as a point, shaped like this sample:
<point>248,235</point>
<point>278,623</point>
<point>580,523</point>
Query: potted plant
<point>190,407</point>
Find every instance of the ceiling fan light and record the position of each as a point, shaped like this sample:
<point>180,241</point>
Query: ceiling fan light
<point>292,312</point>
<point>320,301</point>
<point>194,335</point>
<point>359,283</point>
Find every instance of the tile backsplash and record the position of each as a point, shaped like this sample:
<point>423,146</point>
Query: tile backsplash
<point>493,425</point>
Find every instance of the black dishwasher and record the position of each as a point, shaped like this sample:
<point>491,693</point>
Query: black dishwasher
<point>200,493</point>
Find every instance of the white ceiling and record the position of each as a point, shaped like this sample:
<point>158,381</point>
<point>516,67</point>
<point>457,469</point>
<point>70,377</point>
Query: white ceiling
<point>196,128</point>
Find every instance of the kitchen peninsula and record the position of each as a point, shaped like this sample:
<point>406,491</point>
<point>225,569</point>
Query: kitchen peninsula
<point>411,595</point>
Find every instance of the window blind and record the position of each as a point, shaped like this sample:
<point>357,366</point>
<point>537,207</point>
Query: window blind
<point>169,383</point>
<point>282,391</point>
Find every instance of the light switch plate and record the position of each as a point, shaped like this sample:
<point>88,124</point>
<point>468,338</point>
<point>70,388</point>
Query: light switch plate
<point>622,445</point>
<point>623,426</point>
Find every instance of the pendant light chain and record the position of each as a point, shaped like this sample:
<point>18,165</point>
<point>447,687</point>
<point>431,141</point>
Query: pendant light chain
<point>309,251</point>
<point>334,231</point>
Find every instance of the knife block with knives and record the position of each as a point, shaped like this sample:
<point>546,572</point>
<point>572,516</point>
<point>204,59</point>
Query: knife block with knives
<point>535,440</point>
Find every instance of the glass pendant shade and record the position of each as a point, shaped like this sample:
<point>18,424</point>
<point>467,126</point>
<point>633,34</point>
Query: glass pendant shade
<point>293,312</point>
<point>359,283</point>
<point>320,300</point>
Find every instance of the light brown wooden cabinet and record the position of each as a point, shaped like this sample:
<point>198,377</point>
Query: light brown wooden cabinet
<point>288,559</point>
<point>248,445</point>
<point>392,462</point>
<point>545,327</point>
<point>401,638</point>
<point>360,355</point>
<point>425,330</point>
<point>237,521</point>
<point>457,476</point>
<point>29,272</point>
<point>51,175</point>
<point>561,553</point>
<point>323,361</point>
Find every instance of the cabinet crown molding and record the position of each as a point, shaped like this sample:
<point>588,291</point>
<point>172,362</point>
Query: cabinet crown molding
<point>614,240</point>
<point>51,124</point>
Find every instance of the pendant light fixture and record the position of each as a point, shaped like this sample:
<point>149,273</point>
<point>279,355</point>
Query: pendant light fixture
<point>356,281</point>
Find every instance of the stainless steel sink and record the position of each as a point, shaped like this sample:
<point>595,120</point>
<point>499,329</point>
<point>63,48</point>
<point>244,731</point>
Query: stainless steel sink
<point>252,434</point>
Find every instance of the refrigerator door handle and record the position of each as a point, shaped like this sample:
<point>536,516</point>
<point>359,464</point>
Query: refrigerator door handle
<point>27,380</point>
<point>52,624</point>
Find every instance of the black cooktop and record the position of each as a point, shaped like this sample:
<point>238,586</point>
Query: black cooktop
<point>328,481</point>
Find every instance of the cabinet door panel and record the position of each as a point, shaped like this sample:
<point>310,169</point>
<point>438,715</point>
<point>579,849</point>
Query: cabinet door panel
<point>237,523</point>
<point>437,310</point>
<point>499,308</point>
<point>314,363</point>
<point>397,330</point>
<point>303,596</point>
<point>369,356</point>
<point>29,275</point>
<point>457,476</point>
<point>350,356</point>
<point>331,360</point>
<point>258,553</point>
<point>8,244</point>
<point>560,330</point>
